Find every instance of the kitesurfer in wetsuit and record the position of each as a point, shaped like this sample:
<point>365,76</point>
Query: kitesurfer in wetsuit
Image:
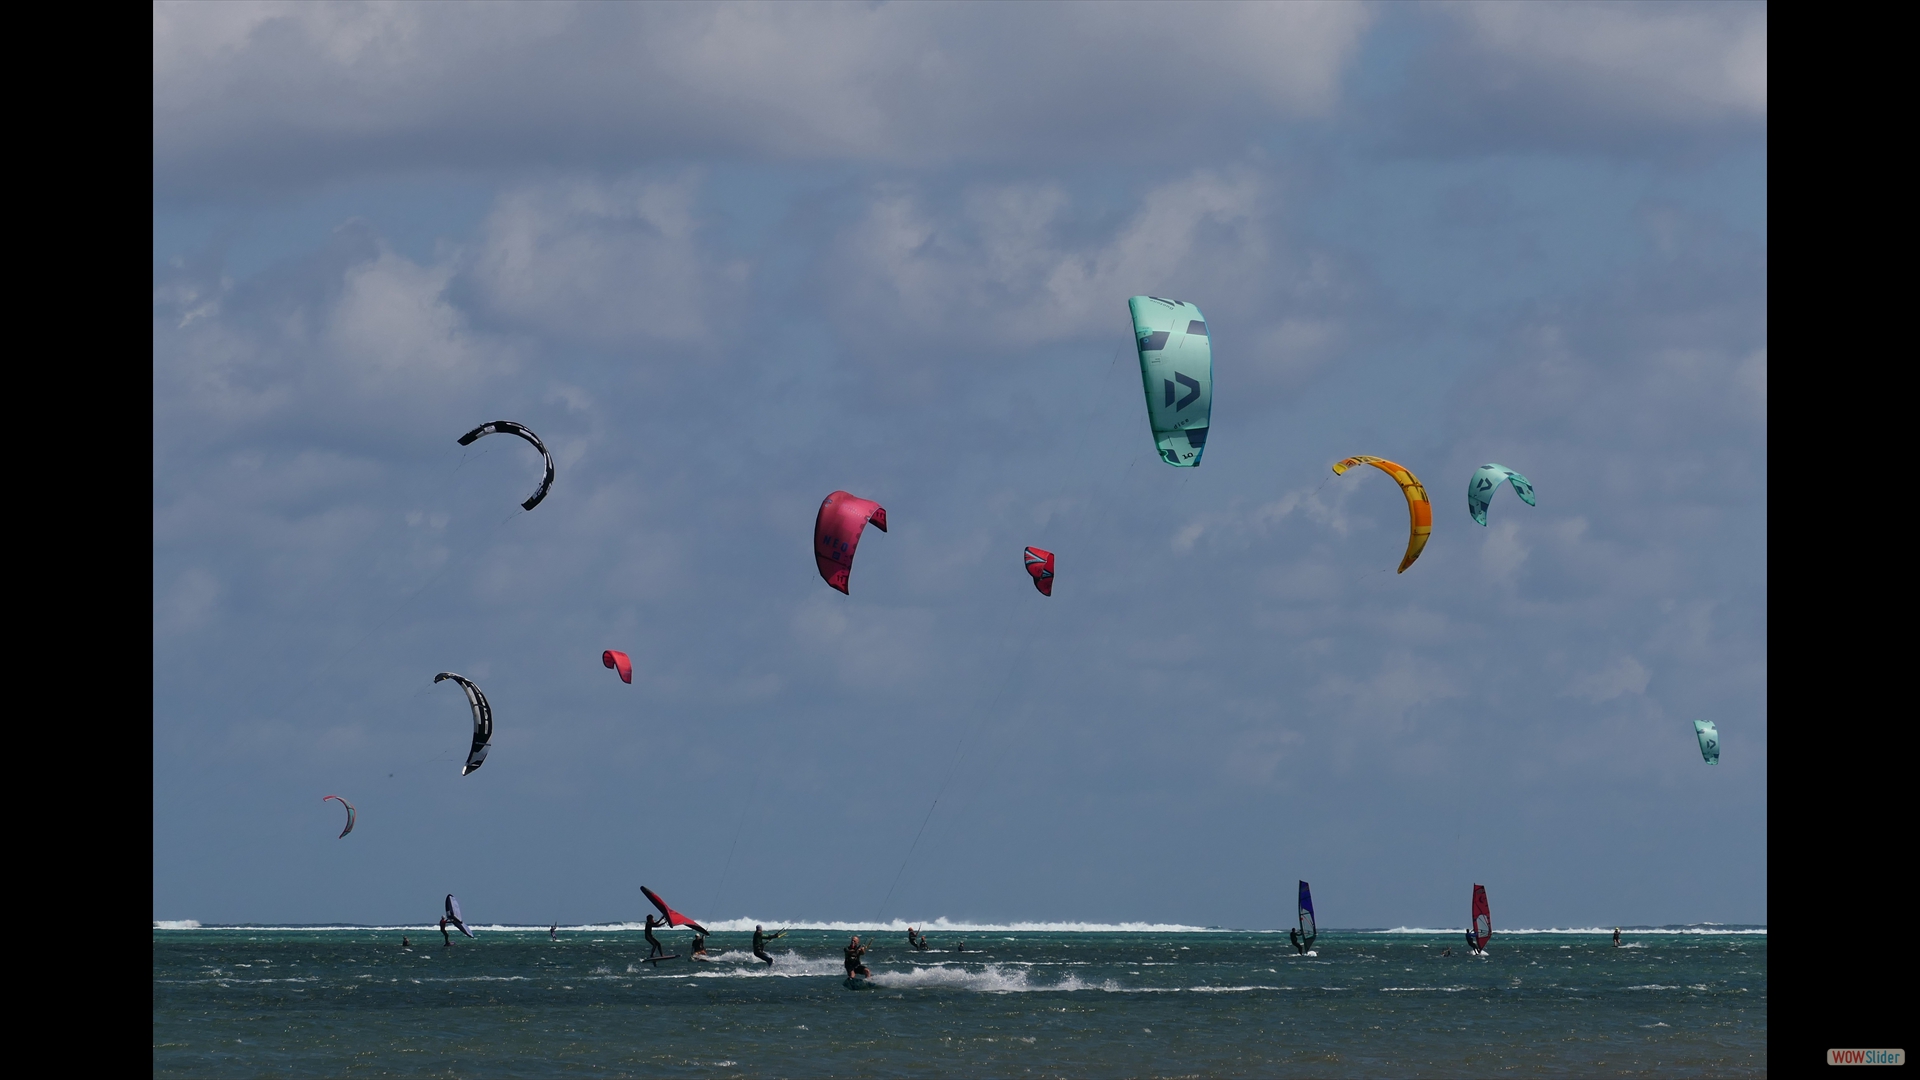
<point>760,939</point>
<point>699,950</point>
<point>658,949</point>
<point>553,932</point>
<point>962,947</point>
<point>1616,937</point>
<point>854,966</point>
<point>404,943</point>
<point>444,936</point>
<point>922,944</point>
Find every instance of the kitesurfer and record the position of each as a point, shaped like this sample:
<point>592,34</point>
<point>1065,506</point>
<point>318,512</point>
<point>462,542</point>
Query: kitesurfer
<point>444,936</point>
<point>404,943</point>
<point>854,952</point>
<point>699,951</point>
<point>962,947</point>
<point>1616,937</point>
<point>553,932</point>
<point>760,939</point>
<point>1448,951</point>
<point>658,949</point>
<point>922,944</point>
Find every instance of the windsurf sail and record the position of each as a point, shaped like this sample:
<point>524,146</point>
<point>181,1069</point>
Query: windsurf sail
<point>674,918</point>
<point>453,915</point>
<point>1482,919</point>
<point>1308,931</point>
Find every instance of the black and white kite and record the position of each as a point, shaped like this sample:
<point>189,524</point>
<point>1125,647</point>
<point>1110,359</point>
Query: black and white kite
<point>511,428</point>
<point>482,720</point>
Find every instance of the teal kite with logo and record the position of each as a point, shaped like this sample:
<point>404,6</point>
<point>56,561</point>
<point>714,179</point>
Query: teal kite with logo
<point>1486,481</point>
<point>1709,741</point>
<point>1176,368</point>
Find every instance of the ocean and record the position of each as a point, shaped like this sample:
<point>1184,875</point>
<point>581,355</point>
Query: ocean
<point>1046,1001</point>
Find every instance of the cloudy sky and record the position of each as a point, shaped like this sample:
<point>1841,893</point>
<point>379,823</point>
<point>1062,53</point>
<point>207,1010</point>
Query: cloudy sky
<point>728,259</point>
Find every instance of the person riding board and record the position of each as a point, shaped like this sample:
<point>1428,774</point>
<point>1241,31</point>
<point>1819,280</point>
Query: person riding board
<point>1616,937</point>
<point>854,952</point>
<point>1298,946</point>
<point>658,949</point>
<point>1473,946</point>
<point>760,939</point>
<point>444,936</point>
<point>699,950</point>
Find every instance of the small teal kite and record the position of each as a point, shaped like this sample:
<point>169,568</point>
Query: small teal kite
<point>1486,480</point>
<point>1709,741</point>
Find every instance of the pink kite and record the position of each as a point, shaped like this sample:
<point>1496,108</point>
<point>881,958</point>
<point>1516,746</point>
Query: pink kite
<point>618,661</point>
<point>1040,565</point>
<point>836,533</point>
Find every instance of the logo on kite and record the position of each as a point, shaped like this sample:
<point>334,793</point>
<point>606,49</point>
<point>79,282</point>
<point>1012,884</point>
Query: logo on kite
<point>511,428</point>
<point>836,534</point>
<point>1040,565</point>
<point>618,661</point>
<point>1176,371</point>
<point>1709,738</point>
<point>482,720</point>
<point>349,806</point>
<point>1419,507</point>
<point>1486,480</point>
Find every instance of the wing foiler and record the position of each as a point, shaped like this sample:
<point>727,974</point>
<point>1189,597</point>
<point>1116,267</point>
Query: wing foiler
<point>674,918</point>
<point>1419,507</point>
<point>1176,369</point>
<point>482,720</point>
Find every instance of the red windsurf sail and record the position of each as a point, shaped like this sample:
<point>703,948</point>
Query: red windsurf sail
<point>1482,918</point>
<point>674,918</point>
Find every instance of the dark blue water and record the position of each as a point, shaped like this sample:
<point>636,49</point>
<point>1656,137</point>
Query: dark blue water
<point>512,1003</point>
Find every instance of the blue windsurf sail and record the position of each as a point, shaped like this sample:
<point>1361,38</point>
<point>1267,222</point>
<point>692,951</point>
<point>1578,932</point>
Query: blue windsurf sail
<point>1308,931</point>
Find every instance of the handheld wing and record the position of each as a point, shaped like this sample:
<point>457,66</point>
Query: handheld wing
<point>1176,370</point>
<point>836,534</point>
<point>510,428</point>
<point>1482,918</point>
<point>618,661</point>
<point>482,720</point>
<point>453,915</point>
<point>349,806</point>
<point>1419,507</point>
<point>674,918</point>
<point>1040,565</point>
<point>1703,729</point>
<point>1486,480</point>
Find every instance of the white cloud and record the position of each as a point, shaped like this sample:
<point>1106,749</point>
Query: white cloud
<point>1624,676</point>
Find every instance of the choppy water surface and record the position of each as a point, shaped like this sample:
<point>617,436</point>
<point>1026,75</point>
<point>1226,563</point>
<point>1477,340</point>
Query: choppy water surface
<point>340,1002</point>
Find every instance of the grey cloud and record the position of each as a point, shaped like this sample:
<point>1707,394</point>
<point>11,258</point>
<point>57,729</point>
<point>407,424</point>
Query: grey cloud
<point>270,96</point>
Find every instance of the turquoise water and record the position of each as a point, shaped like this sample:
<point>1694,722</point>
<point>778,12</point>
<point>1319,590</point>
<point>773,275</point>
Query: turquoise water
<point>349,1002</point>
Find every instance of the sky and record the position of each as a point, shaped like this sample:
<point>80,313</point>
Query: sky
<point>728,259</point>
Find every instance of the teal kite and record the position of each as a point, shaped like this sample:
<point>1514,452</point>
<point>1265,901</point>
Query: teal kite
<point>1486,480</point>
<point>1176,368</point>
<point>1709,741</point>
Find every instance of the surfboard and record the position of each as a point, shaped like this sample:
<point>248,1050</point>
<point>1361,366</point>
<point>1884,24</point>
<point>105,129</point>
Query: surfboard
<point>657,959</point>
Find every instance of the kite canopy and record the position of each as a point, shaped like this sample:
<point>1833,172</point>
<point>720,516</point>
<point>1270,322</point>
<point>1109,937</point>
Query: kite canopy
<point>674,918</point>
<point>618,661</point>
<point>1482,918</point>
<point>1419,507</point>
<point>1040,565</point>
<point>349,806</point>
<point>1709,741</point>
<point>511,428</point>
<point>1176,370</point>
<point>836,534</point>
<point>482,720</point>
<point>453,915</point>
<point>1486,480</point>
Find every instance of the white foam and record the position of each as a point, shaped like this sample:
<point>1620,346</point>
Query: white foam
<point>1605,931</point>
<point>944,925</point>
<point>992,979</point>
<point>176,924</point>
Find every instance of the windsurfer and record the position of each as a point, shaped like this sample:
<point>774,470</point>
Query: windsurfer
<point>760,939</point>
<point>1472,945</point>
<point>854,952</point>
<point>1294,936</point>
<point>658,949</point>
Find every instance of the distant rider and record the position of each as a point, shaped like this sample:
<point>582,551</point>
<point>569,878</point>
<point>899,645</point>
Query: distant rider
<point>1616,937</point>
<point>760,939</point>
<point>553,932</point>
<point>444,936</point>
